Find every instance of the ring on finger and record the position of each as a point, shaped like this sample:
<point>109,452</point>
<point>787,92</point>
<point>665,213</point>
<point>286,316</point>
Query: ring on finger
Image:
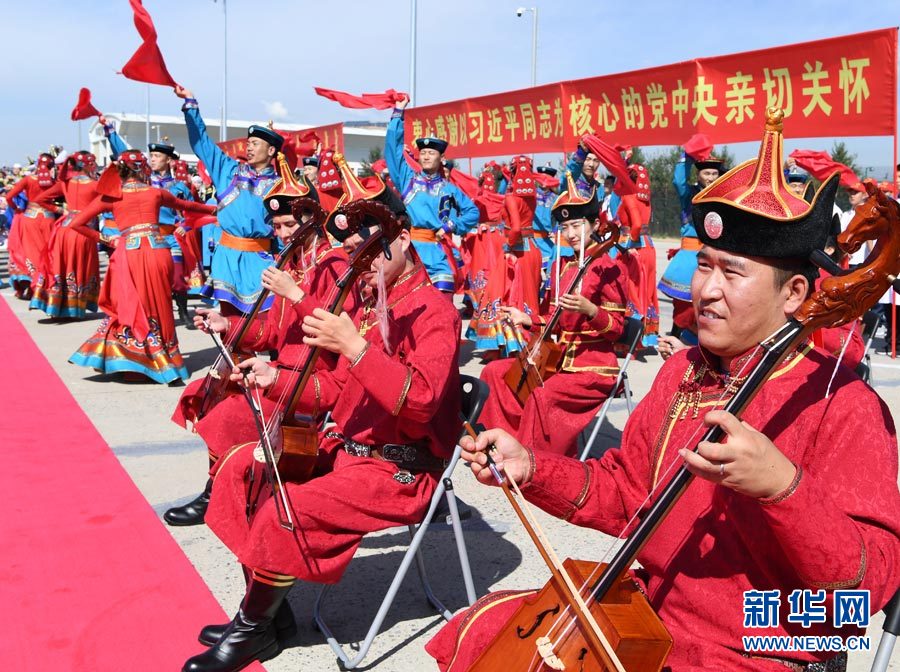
<point>721,469</point>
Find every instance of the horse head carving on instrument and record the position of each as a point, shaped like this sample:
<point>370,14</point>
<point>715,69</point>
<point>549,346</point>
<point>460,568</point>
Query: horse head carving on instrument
<point>842,298</point>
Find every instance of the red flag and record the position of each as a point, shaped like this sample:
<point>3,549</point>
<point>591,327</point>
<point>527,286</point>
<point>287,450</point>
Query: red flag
<point>84,109</point>
<point>378,101</point>
<point>821,166</point>
<point>699,147</point>
<point>147,64</point>
<point>611,158</point>
<point>547,181</point>
<point>204,175</point>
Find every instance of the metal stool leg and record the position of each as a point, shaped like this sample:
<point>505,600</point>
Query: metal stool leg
<point>460,542</point>
<point>601,415</point>
<point>889,636</point>
<point>413,554</point>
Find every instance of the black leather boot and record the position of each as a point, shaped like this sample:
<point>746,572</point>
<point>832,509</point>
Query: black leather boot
<point>285,627</point>
<point>191,513</point>
<point>181,302</point>
<point>251,635</point>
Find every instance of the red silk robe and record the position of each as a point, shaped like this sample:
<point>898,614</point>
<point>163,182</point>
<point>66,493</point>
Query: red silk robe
<point>410,395</point>
<point>230,422</point>
<point>31,229</point>
<point>513,281</point>
<point>68,279</point>
<point>838,526</point>
<point>138,334</point>
<point>556,413</point>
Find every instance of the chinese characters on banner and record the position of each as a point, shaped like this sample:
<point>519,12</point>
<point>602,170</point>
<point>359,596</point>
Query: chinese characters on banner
<point>297,144</point>
<point>843,86</point>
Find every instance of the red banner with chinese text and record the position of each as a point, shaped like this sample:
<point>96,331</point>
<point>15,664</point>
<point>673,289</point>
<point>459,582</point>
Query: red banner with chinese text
<point>842,86</point>
<point>300,143</point>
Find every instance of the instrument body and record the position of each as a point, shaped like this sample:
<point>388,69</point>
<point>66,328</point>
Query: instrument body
<point>298,437</point>
<point>841,298</point>
<point>542,357</point>
<point>638,637</point>
<point>217,384</point>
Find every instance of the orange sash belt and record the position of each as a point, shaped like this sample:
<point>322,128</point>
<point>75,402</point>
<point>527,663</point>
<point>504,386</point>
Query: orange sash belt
<point>423,235</point>
<point>244,244</point>
<point>691,244</point>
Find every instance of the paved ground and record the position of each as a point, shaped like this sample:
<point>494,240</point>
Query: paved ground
<point>168,465</point>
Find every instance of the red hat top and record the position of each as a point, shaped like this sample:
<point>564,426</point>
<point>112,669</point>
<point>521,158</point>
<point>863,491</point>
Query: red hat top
<point>329,175</point>
<point>750,210</point>
<point>135,160</point>
<point>488,179</point>
<point>522,177</point>
<point>285,189</point>
<point>641,178</point>
<point>45,161</point>
<point>354,189</point>
<point>180,171</point>
<point>759,185</point>
<point>570,204</point>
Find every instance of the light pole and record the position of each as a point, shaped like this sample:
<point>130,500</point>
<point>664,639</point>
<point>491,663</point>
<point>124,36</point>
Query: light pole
<point>147,125</point>
<point>412,52</point>
<point>157,127</point>
<point>521,12</point>
<point>223,131</point>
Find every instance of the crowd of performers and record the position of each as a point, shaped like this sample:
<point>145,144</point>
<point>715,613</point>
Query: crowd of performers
<point>351,304</point>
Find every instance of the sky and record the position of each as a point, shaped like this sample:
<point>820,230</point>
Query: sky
<point>278,50</point>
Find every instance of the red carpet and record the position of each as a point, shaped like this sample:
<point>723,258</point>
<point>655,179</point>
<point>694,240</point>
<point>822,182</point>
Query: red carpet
<point>89,577</point>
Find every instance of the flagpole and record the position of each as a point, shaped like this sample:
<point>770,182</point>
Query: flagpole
<point>147,143</point>
<point>223,133</point>
<point>412,53</point>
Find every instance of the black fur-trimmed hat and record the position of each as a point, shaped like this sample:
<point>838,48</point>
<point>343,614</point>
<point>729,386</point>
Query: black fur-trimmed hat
<point>751,211</point>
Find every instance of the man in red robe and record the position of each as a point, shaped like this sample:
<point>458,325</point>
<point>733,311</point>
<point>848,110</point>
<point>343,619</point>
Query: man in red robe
<point>802,495</point>
<point>395,397</point>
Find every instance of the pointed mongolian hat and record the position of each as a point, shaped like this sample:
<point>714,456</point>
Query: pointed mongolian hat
<point>572,205</point>
<point>284,190</point>
<point>354,190</point>
<point>751,211</point>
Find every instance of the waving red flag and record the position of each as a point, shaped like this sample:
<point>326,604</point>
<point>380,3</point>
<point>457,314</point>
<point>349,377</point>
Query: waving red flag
<point>821,166</point>
<point>84,109</point>
<point>699,147</point>
<point>147,64</point>
<point>378,101</point>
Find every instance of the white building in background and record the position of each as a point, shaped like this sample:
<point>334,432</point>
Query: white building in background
<point>359,138</point>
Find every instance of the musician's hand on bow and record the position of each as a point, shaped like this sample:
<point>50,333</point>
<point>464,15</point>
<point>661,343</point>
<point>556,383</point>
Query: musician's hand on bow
<point>515,315</point>
<point>748,462</point>
<point>508,454</point>
<point>282,284</point>
<point>254,372</point>
<point>335,333</point>
<point>579,304</point>
<point>207,320</point>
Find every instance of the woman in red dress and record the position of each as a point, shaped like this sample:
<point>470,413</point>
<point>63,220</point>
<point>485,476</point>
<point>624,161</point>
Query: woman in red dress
<point>68,278</point>
<point>515,280</point>
<point>633,186</point>
<point>31,227</point>
<point>138,334</point>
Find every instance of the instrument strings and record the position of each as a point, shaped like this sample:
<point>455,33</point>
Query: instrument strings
<point>564,622</point>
